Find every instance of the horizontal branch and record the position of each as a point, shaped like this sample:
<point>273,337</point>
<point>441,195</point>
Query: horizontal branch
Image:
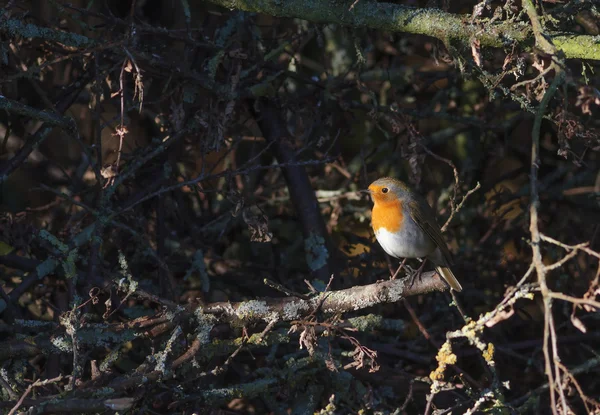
<point>53,119</point>
<point>430,22</point>
<point>351,299</point>
<point>281,309</point>
<point>16,27</point>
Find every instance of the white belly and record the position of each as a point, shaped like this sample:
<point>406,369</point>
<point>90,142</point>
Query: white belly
<point>412,242</point>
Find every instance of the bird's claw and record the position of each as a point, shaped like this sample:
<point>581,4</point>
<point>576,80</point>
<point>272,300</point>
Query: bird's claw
<point>415,273</point>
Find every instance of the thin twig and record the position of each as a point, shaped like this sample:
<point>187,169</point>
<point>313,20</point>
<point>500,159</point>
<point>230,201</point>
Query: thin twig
<point>285,290</point>
<point>460,205</point>
<point>574,300</point>
<point>549,331</point>
<point>35,384</point>
<point>582,246</point>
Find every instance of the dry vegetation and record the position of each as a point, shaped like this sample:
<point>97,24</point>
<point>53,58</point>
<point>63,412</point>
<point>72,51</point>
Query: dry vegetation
<point>181,230</point>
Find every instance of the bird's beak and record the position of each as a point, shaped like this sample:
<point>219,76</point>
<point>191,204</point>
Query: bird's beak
<point>365,191</point>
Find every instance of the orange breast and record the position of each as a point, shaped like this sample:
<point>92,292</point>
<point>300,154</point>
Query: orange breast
<point>387,215</point>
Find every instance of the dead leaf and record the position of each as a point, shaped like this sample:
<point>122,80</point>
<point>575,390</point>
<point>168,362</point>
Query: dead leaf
<point>577,322</point>
<point>308,340</point>
<point>476,51</point>
<point>258,224</point>
<point>586,97</point>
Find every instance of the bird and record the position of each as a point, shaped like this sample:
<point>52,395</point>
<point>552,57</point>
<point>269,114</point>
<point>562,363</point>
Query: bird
<point>405,226</point>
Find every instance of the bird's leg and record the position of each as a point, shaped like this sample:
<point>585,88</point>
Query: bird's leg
<point>399,268</point>
<point>418,272</point>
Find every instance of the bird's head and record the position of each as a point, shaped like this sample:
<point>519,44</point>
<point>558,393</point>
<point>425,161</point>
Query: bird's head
<point>388,190</point>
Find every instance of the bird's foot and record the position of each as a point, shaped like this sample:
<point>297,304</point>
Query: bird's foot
<point>417,273</point>
<point>409,270</point>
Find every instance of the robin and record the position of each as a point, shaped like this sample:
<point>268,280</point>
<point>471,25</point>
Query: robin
<point>405,226</point>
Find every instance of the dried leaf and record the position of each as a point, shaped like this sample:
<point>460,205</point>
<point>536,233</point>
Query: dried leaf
<point>538,64</point>
<point>476,51</point>
<point>591,294</point>
<point>586,97</point>
<point>507,61</point>
<point>308,340</point>
<point>577,322</point>
<point>258,224</point>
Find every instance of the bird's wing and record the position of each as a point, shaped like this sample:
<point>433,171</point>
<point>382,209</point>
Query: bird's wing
<point>424,217</point>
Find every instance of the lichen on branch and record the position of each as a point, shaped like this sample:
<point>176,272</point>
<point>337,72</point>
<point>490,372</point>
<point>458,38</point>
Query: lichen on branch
<point>447,27</point>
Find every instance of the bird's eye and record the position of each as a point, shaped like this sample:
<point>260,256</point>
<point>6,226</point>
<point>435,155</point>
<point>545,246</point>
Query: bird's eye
<point>385,190</point>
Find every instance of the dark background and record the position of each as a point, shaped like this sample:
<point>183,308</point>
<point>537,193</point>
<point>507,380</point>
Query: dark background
<point>227,127</point>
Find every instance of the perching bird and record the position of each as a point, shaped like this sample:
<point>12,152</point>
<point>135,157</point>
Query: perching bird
<point>405,226</point>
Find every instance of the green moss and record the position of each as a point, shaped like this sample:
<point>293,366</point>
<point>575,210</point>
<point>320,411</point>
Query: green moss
<point>455,28</point>
<point>579,46</point>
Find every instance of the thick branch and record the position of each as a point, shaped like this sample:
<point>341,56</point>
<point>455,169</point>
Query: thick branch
<point>429,22</point>
<point>350,299</point>
<point>317,244</point>
<point>245,312</point>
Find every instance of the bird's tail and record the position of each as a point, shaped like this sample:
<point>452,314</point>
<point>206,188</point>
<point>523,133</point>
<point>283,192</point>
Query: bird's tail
<point>447,274</point>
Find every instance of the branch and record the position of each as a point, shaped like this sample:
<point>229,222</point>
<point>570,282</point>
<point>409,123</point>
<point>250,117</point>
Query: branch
<point>350,299</point>
<point>50,118</point>
<point>16,27</point>
<point>43,132</point>
<point>550,339</point>
<point>430,22</point>
<point>317,244</point>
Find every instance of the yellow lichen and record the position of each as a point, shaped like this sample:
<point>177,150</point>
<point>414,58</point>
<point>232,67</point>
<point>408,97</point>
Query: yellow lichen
<point>444,357</point>
<point>488,354</point>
